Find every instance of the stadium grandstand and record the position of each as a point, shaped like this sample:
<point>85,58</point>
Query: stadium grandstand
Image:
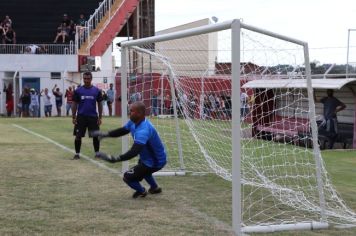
<point>47,43</point>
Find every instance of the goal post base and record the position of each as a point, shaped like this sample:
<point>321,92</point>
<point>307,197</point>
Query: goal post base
<point>285,227</point>
<point>169,173</point>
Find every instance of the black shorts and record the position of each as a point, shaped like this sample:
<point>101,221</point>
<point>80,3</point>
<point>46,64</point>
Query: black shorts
<point>109,102</point>
<point>138,172</point>
<point>84,123</point>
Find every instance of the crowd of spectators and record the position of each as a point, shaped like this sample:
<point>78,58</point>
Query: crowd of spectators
<point>8,35</point>
<point>67,29</point>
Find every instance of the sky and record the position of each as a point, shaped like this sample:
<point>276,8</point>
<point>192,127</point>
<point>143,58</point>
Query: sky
<point>324,24</point>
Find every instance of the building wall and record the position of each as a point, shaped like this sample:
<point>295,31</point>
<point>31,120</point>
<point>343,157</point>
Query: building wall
<point>191,56</point>
<point>41,62</point>
<point>41,65</point>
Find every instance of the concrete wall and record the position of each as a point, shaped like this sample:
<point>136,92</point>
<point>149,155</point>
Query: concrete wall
<point>41,62</point>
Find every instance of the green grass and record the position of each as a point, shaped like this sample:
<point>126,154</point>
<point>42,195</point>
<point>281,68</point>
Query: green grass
<point>43,192</point>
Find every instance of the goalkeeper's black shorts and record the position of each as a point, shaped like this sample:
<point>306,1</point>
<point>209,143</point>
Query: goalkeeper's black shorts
<point>84,123</point>
<point>138,172</point>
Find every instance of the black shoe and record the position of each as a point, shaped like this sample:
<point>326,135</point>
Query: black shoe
<point>139,194</point>
<point>155,191</point>
<point>76,157</point>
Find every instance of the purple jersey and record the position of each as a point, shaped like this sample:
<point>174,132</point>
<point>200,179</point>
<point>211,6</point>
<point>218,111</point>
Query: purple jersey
<point>86,98</point>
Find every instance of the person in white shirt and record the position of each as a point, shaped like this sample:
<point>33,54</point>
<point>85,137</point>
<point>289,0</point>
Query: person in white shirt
<point>47,102</point>
<point>35,103</point>
<point>244,105</point>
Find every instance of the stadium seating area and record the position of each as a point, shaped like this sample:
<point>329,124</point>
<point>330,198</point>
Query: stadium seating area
<point>37,21</point>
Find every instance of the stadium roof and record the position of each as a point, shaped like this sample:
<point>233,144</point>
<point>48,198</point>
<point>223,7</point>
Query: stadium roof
<point>298,83</point>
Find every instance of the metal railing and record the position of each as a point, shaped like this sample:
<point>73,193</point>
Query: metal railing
<point>52,49</point>
<point>93,22</point>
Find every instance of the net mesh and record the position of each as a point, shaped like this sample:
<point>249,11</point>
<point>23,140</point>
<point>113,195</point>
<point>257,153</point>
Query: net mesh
<point>279,182</point>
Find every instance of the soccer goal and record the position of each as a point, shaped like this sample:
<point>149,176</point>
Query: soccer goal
<point>237,101</point>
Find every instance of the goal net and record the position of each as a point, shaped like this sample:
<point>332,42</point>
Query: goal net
<point>187,80</point>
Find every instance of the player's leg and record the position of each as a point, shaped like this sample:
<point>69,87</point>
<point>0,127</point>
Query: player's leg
<point>92,126</point>
<point>109,103</point>
<point>79,132</point>
<point>154,188</point>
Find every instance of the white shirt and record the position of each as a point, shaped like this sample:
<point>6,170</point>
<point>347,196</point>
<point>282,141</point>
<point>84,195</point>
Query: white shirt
<point>47,99</point>
<point>33,48</point>
<point>34,100</point>
<point>244,100</point>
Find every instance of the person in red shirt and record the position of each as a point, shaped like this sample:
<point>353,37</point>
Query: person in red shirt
<point>9,99</point>
<point>69,96</point>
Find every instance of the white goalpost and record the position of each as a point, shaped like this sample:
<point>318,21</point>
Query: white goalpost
<point>237,101</point>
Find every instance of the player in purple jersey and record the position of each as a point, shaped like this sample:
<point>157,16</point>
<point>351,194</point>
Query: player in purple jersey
<point>85,115</point>
<point>147,144</point>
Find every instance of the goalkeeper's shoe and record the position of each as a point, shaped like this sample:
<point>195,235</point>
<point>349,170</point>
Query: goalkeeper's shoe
<point>155,190</point>
<point>139,194</point>
<point>76,157</point>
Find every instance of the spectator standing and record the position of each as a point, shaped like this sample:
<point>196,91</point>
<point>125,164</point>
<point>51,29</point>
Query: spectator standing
<point>81,24</point>
<point>168,104</point>
<point>154,103</point>
<point>26,101</point>
<point>81,21</point>
<point>19,107</point>
<point>59,99</point>
<point>7,21</point>
<point>87,98</point>
<point>332,106</point>
<point>227,100</point>
<point>47,102</point>
<point>9,99</point>
<point>110,98</point>
<point>104,100</point>
<point>69,96</point>
<point>9,35</point>
<point>244,105</point>
<point>35,103</point>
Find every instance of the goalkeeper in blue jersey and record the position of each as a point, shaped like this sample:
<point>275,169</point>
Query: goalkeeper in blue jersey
<point>147,144</point>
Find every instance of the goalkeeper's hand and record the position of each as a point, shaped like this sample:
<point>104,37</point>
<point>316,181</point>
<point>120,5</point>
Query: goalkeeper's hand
<point>107,157</point>
<point>99,134</point>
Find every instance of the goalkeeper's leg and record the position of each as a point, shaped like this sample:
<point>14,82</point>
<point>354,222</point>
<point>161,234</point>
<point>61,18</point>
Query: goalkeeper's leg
<point>133,177</point>
<point>153,184</point>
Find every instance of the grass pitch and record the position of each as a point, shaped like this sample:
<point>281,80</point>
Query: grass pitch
<point>43,192</point>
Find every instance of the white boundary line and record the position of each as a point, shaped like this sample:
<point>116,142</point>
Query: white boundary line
<point>97,163</point>
<point>213,220</point>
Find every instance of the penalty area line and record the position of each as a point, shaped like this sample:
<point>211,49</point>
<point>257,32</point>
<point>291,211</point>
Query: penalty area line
<point>97,163</point>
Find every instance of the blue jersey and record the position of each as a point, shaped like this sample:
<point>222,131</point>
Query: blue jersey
<point>153,153</point>
<point>86,98</point>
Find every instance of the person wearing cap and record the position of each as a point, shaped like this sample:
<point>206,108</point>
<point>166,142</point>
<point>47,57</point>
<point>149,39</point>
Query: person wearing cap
<point>66,19</point>
<point>35,103</point>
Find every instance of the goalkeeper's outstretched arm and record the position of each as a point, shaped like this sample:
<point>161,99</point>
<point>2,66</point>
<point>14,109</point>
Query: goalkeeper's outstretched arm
<point>134,151</point>
<point>112,134</point>
<point>118,132</point>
